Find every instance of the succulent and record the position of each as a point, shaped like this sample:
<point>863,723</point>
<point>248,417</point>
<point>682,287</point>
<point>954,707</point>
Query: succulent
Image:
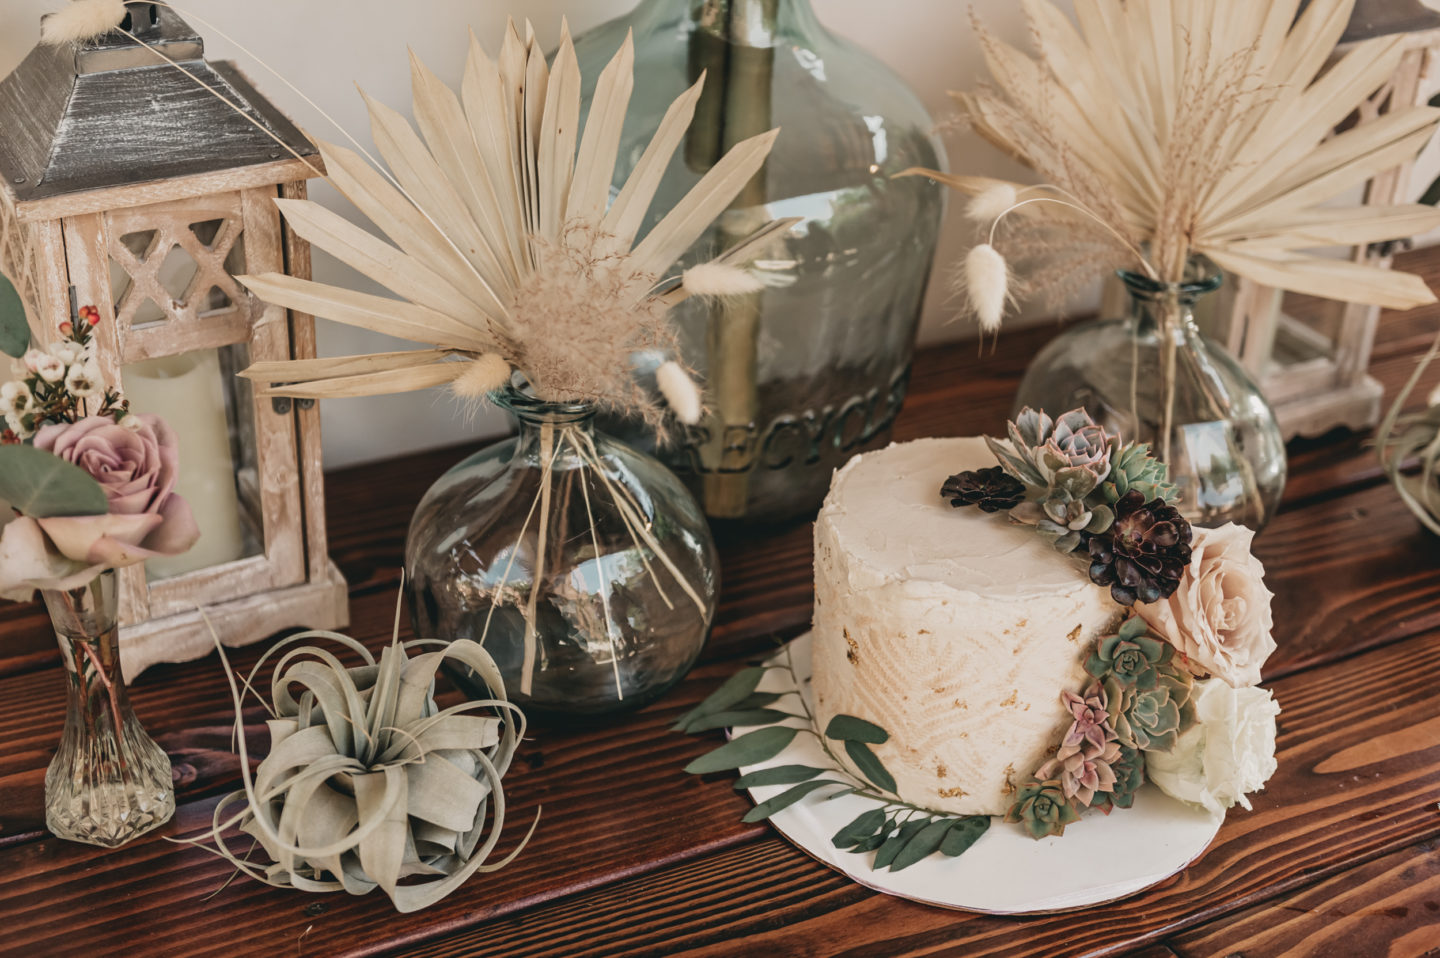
<point>1082,771</point>
<point>1142,556</point>
<point>1042,809</point>
<point>1046,454</point>
<point>992,489</point>
<point>1061,464</point>
<point>1132,469</point>
<point>1092,718</point>
<point>1130,657</point>
<point>1129,771</point>
<point>1152,719</point>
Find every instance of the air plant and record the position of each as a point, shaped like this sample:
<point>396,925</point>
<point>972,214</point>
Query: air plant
<point>1404,437</point>
<point>369,783</point>
<point>1179,128</point>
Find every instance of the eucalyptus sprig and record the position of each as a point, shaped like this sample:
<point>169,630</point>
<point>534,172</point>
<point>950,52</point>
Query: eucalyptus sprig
<point>898,832</point>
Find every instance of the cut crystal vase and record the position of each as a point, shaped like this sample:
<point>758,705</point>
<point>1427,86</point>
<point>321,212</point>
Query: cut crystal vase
<point>1152,376</point>
<point>109,782</point>
<point>585,568</point>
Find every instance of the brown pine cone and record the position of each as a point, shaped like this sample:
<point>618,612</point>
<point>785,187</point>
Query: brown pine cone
<point>992,489</point>
<point>1144,554</point>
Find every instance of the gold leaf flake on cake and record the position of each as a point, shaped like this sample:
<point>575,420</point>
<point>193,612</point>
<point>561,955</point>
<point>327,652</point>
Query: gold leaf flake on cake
<point>1011,699</point>
<point>952,792</point>
<point>852,651</point>
<point>941,771</point>
<point>1009,787</point>
<point>1074,635</point>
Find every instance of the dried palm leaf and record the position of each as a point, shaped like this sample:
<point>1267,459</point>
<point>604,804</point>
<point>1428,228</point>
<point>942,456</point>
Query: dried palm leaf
<point>500,242</point>
<point>1207,127</point>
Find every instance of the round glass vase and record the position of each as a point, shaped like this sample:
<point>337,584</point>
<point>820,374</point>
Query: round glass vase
<point>1152,376</point>
<point>109,782</point>
<point>814,368</point>
<point>585,568</point>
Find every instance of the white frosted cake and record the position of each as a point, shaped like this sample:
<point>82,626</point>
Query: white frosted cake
<point>953,629</point>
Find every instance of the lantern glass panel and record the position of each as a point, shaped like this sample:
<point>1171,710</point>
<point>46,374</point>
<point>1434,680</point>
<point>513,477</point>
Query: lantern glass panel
<point>213,416</point>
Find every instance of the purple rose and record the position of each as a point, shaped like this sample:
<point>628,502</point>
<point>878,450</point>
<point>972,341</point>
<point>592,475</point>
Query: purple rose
<point>136,464</point>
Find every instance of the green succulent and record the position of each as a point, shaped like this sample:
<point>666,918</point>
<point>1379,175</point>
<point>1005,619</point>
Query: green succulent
<point>1152,719</point>
<point>1133,468</point>
<point>1042,809</point>
<point>1129,772</point>
<point>1130,657</point>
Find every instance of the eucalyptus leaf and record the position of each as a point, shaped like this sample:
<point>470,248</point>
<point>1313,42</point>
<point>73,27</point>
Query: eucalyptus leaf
<point>925,841</point>
<point>779,775</point>
<point>897,842</point>
<point>40,484</point>
<point>963,833</point>
<point>870,844</point>
<point>848,728</point>
<point>742,719</point>
<point>14,326</point>
<point>870,766</point>
<point>862,829</point>
<point>727,696</point>
<point>784,800</point>
<point>748,749</point>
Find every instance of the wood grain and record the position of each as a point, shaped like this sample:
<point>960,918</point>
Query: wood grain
<point>1308,824</point>
<point>1387,907</point>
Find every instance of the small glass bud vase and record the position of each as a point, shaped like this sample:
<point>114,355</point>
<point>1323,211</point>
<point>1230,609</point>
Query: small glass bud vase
<point>1152,376</point>
<point>109,782</point>
<point>585,568</point>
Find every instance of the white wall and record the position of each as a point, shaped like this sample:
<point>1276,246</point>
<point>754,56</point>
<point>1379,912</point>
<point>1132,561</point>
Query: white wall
<point>325,47</point>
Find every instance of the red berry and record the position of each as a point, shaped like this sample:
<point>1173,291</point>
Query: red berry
<point>66,328</point>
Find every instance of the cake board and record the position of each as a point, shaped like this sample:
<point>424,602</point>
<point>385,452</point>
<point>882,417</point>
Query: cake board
<point>1099,859</point>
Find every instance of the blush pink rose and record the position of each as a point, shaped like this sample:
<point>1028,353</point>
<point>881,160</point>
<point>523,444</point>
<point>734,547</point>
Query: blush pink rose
<point>137,468</point>
<point>1219,618</point>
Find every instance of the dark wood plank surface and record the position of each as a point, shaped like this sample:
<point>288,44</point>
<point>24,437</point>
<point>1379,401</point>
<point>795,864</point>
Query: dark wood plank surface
<point>634,857</point>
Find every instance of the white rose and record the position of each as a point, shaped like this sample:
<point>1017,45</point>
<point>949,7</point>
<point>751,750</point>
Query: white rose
<point>1228,752</point>
<point>1219,617</point>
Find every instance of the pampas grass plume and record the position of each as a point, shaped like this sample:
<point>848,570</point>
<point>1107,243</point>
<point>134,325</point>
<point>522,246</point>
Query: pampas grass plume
<point>988,206</point>
<point>987,283</point>
<point>481,377</point>
<point>1434,399</point>
<point>679,391</point>
<point>82,20</point>
<point>719,280</point>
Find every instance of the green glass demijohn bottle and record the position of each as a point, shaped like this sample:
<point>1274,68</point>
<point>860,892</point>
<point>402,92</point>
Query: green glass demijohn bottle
<point>812,369</point>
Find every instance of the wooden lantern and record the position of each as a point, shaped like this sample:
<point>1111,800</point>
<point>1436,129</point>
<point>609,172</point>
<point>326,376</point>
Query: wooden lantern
<point>1311,357</point>
<point>126,185</point>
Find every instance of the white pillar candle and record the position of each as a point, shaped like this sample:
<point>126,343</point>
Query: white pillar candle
<point>188,392</point>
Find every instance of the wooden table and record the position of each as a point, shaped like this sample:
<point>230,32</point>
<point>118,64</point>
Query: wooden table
<point>634,857</point>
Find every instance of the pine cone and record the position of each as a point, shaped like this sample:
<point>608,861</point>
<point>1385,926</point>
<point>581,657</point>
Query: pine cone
<point>1143,555</point>
<point>991,489</point>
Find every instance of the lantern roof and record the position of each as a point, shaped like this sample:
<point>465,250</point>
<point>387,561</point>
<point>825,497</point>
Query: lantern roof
<point>110,113</point>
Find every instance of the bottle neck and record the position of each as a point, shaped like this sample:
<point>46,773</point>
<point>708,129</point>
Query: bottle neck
<point>1166,308</point>
<point>752,23</point>
<point>540,422</point>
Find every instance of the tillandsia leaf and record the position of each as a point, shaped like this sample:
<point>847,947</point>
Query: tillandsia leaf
<point>14,326</point>
<point>41,485</point>
<point>779,775</point>
<point>748,749</point>
<point>848,728</point>
<point>785,799</point>
<point>870,766</point>
<point>866,826</point>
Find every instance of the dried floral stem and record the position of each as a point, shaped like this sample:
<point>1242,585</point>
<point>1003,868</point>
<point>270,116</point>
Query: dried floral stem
<point>549,450</point>
<point>1078,207</point>
<point>600,575</point>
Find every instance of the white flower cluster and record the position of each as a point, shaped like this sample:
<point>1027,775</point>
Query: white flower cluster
<point>69,363</point>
